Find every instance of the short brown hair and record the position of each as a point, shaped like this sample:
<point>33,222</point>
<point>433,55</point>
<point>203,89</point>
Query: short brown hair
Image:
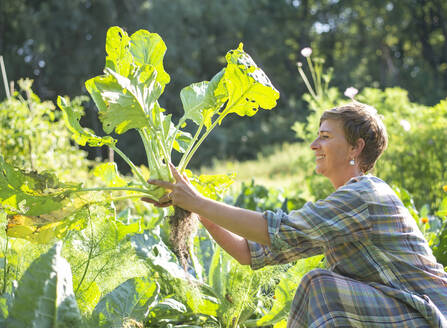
<point>361,121</point>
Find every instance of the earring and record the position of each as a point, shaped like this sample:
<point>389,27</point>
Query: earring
<point>351,162</point>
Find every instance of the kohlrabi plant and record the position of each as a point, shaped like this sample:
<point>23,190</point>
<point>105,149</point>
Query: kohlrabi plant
<point>41,207</point>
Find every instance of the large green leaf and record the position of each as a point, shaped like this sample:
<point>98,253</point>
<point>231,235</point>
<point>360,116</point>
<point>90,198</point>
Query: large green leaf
<point>194,101</point>
<point>39,206</point>
<point>134,79</point>
<point>133,299</point>
<point>168,307</point>
<point>151,248</point>
<point>81,135</point>
<point>31,193</point>
<point>200,102</point>
<point>117,48</point>
<point>119,100</point>
<point>149,49</point>
<point>45,296</point>
<point>246,85</point>
<point>45,228</point>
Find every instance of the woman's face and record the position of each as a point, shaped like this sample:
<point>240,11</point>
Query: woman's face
<point>332,150</point>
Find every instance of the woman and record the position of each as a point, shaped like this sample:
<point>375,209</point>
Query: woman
<point>381,270</point>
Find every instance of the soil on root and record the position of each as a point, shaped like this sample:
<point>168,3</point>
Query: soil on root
<point>183,228</point>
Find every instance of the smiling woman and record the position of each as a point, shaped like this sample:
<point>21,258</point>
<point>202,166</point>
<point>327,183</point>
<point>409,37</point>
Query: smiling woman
<point>348,135</point>
<point>381,271</point>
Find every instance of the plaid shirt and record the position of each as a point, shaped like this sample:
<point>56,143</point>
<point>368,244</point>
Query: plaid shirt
<point>382,272</point>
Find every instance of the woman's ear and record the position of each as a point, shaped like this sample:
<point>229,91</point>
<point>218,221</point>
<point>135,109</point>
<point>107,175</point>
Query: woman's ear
<point>357,149</point>
<point>359,145</point>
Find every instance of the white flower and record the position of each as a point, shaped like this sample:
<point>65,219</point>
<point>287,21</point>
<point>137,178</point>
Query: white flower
<point>306,52</point>
<point>351,92</point>
<point>405,124</point>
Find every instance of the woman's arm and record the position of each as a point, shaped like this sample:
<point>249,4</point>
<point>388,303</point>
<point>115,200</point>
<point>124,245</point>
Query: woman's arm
<point>233,244</point>
<point>245,223</point>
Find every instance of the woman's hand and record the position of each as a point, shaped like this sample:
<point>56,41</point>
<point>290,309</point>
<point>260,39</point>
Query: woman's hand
<point>182,192</point>
<point>215,215</point>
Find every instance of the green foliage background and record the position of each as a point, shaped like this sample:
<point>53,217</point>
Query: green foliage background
<point>380,44</point>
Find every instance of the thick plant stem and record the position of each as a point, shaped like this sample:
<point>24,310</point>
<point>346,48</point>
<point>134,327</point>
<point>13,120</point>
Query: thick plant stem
<point>155,156</point>
<point>124,197</point>
<point>197,145</point>
<point>184,161</point>
<point>132,165</point>
<point>177,128</point>
<point>112,189</point>
<point>166,157</point>
<point>115,199</point>
<point>146,145</point>
<point>190,153</point>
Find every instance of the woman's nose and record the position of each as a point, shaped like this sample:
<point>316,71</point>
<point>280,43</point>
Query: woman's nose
<point>314,144</point>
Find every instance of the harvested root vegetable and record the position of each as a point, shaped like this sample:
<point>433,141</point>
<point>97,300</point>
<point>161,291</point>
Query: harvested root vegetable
<point>183,227</point>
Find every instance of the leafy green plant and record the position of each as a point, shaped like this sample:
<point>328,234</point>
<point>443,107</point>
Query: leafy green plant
<point>416,152</point>
<point>100,256</point>
<point>431,221</point>
<point>33,131</point>
<point>285,291</point>
<point>221,294</point>
<point>127,98</point>
<point>44,297</point>
<point>132,299</point>
<point>257,197</point>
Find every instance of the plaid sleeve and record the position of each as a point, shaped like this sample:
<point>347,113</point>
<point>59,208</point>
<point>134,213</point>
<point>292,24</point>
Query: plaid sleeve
<point>340,218</point>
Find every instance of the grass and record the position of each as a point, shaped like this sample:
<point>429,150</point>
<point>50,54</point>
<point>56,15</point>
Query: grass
<point>283,166</point>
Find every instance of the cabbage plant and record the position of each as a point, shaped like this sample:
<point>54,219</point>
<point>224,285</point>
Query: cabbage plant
<point>126,95</point>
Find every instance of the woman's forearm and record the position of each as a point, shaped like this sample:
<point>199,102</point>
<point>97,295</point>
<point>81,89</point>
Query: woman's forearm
<point>248,224</point>
<point>233,244</point>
